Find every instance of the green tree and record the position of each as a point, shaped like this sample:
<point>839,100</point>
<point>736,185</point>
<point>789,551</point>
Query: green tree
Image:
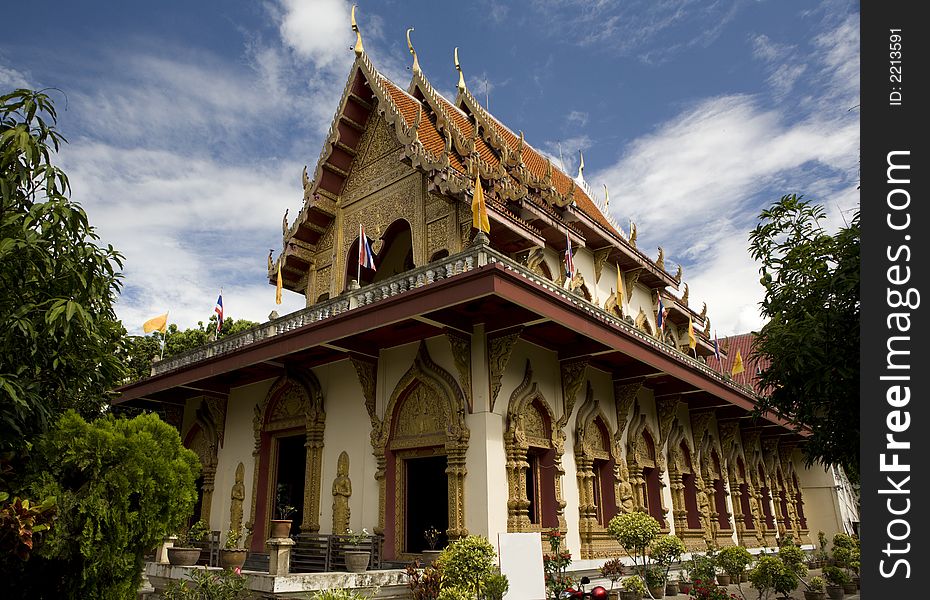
<point>810,343</point>
<point>140,351</point>
<point>121,486</point>
<point>58,329</point>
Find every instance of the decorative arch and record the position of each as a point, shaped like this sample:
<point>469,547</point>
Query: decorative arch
<point>645,465</point>
<point>684,477</point>
<point>642,323</point>
<point>597,467</point>
<point>532,451</point>
<point>292,406</point>
<point>426,412</point>
<point>205,438</point>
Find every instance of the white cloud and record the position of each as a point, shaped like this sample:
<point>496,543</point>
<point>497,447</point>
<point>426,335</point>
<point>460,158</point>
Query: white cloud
<point>11,78</point>
<point>317,31</point>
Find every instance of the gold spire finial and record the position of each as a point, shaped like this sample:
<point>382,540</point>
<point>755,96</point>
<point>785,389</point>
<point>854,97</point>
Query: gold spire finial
<point>416,63</point>
<point>581,165</point>
<point>359,49</point>
<point>458,67</point>
<point>606,198</point>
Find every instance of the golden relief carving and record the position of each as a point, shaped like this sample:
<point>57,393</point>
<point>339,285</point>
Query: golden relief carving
<point>236,497</point>
<point>499,351</point>
<point>461,355</point>
<point>534,427</point>
<point>437,236</point>
<point>419,415</point>
<point>342,491</point>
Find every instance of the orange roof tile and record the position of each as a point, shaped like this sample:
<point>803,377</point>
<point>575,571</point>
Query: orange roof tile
<point>751,366</point>
<point>428,134</point>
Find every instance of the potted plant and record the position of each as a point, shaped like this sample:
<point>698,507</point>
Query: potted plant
<point>655,581</point>
<point>635,532</point>
<point>284,510</point>
<point>357,560</point>
<point>431,536</point>
<point>232,554</point>
<point>815,589</point>
<point>665,551</point>
<point>612,570</point>
<point>703,570</point>
<point>846,556</point>
<point>684,580</point>
<point>733,560</point>
<point>633,588</point>
<point>495,586</point>
<point>185,553</point>
<point>835,577</point>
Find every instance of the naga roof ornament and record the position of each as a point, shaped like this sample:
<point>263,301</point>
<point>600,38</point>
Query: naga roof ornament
<point>458,67</point>
<point>416,63</point>
<point>359,49</point>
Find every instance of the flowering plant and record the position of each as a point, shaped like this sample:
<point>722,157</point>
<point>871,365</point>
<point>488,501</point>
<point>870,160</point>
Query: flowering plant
<point>431,535</point>
<point>555,566</point>
<point>357,538</point>
<point>708,591</point>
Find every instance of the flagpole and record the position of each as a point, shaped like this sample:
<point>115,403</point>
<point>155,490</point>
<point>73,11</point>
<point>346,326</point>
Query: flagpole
<point>216,333</point>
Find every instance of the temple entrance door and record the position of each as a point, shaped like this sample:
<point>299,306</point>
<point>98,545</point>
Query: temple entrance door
<point>289,477</point>
<point>427,501</point>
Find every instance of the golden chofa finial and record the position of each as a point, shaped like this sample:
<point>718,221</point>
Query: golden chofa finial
<point>458,67</point>
<point>606,198</point>
<point>581,165</point>
<point>359,49</point>
<point>416,63</point>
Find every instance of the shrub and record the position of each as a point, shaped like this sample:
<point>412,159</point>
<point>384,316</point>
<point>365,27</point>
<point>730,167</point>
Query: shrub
<point>793,559</point>
<point>466,564</point>
<point>424,584</point>
<point>613,570</point>
<point>655,576</point>
<point>703,568</point>
<point>734,560</point>
<point>555,566</point>
<point>816,584</point>
<point>338,594</point>
<point>121,486</point>
<point>208,585</point>
<point>634,530</point>
<point>666,550</point>
<point>634,583</point>
<point>835,575</point>
<point>195,533</point>
<point>495,586</point>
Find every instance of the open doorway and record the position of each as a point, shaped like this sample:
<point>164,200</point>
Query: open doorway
<point>427,495</point>
<point>289,478</point>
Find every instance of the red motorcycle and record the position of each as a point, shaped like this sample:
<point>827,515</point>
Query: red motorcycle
<point>597,592</point>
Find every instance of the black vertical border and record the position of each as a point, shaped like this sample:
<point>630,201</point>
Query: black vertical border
<point>886,128</point>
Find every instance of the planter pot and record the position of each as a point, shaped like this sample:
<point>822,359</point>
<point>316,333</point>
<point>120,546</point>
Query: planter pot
<point>744,577</point>
<point>723,579</point>
<point>856,581</point>
<point>183,557</point>
<point>280,528</point>
<point>624,595</point>
<point>357,560</point>
<point>808,595</point>
<point>835,592</point>
<point>685,586</point>
<point>232,558</point>
<point>430,556</point>
<point>658,591</point>
<point>671,589</point>
<point>850,588</point>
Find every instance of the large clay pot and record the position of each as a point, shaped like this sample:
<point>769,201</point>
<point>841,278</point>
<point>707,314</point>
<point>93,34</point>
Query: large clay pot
<point>657,591</point>
<point>183,557</point>
<point>357,560</point>
<point>723,579</point>
<point>809,595</point>
<point>685,587</point>
<point>624,595</point>
<point>280,528</point>
<point>430,556</point>
<point>232,558</point>
<point>671,588</point>
<point>850,588</point>
<point>835,592</point>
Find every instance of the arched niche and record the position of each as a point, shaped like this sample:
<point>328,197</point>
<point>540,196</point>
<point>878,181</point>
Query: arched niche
<point>645,467</point>
<point>394,254</point>
<point>205,437</point>
<point>424,421</point>
<point>532,451</point>
<point>288,426</point>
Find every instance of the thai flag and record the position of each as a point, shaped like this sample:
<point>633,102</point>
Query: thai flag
<point>716,347</point>
<point>569,263</point>
<point>660,316</point>
<point>365,256</point>
<point>218,309</point>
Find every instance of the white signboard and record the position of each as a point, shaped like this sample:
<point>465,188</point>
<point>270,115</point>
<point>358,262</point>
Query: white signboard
<point>522,562</point>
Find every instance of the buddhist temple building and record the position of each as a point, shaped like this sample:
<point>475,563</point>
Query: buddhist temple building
<point>535,377</point>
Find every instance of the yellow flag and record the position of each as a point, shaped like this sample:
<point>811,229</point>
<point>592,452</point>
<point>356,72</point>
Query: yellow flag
<point>479,211</point>
<point>159,323</point>
<point>737,364</point>
<point>692,340</point>
<point>277,292</point>
<point>619,288</point>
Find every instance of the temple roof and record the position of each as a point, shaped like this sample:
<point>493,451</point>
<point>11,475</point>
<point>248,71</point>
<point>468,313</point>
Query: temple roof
<point>451,142</point>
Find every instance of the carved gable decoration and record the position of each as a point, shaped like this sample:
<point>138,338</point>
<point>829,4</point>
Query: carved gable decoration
<point>420,415</point>
<point>288,409</point>
<point>536,426</point>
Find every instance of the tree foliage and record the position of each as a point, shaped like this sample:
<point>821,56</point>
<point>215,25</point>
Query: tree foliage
<point>121,486</point>
<point>139,352</point>
<point>58,329</point>
<point>809,348</point>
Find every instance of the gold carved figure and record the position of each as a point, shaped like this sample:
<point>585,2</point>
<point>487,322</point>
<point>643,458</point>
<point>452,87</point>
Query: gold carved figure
<point>342,490</point>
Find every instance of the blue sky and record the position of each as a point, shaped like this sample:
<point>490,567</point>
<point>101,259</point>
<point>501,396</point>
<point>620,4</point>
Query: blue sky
<point>189,122</point>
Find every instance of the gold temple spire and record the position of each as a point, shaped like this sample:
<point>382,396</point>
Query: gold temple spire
<point>416,63</point>
<point>581,165</point>
<point>458,67</point>
<point>359,49</point>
